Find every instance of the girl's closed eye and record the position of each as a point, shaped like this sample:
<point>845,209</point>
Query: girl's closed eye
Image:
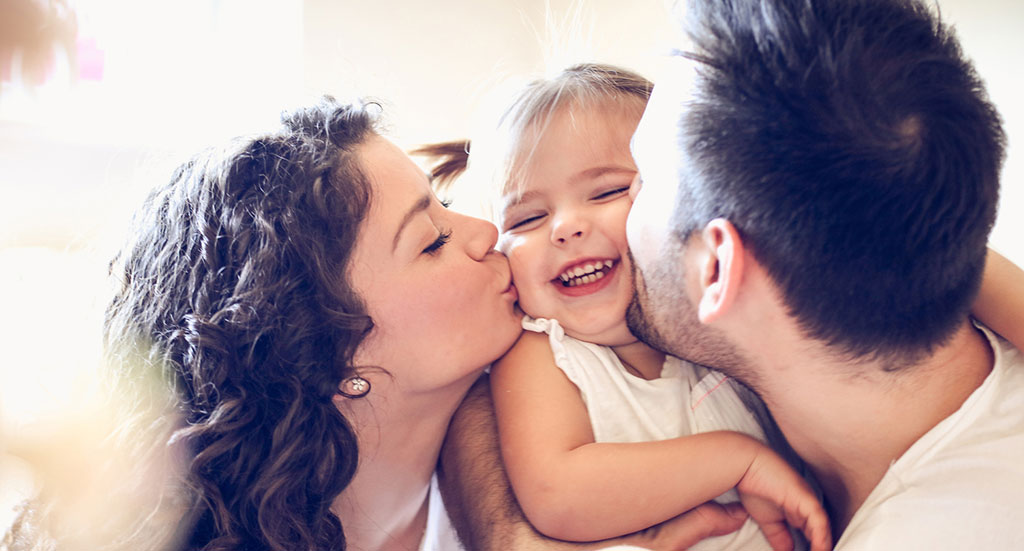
<point>611,193</point>
<point>525,222</point>
<point>443,237</point>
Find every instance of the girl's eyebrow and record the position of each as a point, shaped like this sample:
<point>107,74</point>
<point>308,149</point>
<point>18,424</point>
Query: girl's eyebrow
<point>598,171</point>
<point>516,199</point>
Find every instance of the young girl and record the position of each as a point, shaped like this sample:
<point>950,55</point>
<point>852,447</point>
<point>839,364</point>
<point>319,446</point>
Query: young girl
<point>602,435</point>
<point>577,386</point>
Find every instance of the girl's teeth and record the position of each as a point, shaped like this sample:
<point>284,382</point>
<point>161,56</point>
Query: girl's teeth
<point>585,274</point>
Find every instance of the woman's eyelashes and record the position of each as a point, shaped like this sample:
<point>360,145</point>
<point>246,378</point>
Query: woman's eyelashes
<point>443,237</point>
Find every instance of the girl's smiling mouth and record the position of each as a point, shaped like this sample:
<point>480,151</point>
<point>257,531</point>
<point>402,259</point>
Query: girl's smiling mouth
<point>585,277</point>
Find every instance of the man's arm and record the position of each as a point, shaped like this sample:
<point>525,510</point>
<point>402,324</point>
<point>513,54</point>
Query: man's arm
<point>484,511</point>
<point>475,488</point>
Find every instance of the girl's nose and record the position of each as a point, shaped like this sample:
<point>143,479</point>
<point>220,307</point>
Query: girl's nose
<point>568,227</point>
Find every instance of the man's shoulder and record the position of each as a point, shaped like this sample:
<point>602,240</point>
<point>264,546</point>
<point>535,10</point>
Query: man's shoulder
<point>961,486</point>
<point>979,511</point>
<point>966,497</point>
<point>980,447</point>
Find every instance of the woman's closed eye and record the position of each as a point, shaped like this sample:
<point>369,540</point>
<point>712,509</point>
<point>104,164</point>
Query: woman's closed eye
<point>443,237</point>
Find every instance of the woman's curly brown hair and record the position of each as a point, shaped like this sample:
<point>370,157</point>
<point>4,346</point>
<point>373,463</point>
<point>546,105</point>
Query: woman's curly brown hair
<point>235,287</point>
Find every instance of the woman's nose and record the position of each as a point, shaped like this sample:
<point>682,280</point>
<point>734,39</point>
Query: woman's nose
<point>482,236</point>
<point>568,227</point>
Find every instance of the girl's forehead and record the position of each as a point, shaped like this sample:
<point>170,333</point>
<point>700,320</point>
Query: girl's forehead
<point>600,133</point>
<point>599,124</point>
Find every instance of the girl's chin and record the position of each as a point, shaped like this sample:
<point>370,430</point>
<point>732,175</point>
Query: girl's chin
<point>612,336</point>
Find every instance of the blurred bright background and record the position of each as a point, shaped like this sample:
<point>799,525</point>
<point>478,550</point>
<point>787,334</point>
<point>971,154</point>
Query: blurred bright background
<point>90,120</point>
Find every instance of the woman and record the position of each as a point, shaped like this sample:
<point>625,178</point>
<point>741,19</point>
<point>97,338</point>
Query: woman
<point>315,316</point>
<point>297,291</point>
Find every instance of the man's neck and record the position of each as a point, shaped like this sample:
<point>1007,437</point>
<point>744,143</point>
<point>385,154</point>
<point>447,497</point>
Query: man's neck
<point>850,423</point>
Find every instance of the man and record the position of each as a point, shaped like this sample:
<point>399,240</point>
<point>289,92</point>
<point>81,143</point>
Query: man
<point>818,180</point>
<point>817,183</point>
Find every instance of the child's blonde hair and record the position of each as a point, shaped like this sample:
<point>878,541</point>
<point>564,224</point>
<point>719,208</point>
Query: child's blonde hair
<point>492,163</point>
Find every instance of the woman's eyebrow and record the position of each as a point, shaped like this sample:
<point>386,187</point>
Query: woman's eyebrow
<point>420,206</point>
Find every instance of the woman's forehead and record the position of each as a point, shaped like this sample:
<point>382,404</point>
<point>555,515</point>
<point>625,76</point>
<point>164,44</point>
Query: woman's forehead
<point>392,173</point>
<point>398,189</point>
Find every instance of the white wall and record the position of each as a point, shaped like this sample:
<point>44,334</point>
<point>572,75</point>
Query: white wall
<point>434,62</point>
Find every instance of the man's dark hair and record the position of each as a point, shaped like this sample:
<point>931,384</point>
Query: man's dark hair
<point>855,150</point>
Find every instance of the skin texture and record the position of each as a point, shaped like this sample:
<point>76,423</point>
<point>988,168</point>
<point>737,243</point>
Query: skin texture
<point>571,210</point>
<point>430,342</point>
<point>410,250</point>
<point>661,276</point>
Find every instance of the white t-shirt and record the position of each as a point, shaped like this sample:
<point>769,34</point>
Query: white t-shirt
<point>961,485</point>
<point>686,399</point>
<point>440,534</point>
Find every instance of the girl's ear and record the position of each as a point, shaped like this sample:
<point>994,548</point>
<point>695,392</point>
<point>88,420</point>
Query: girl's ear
<point>720,269</point>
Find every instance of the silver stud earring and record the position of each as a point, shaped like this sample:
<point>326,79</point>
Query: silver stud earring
<point>354,387</point>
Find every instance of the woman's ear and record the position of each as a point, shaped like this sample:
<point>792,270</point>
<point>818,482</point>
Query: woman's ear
<point>720,269</point>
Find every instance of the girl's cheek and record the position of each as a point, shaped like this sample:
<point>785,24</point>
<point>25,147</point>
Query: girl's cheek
<point>504,243</point>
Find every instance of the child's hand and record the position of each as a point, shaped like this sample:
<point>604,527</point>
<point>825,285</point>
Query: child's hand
<point>774,494</point>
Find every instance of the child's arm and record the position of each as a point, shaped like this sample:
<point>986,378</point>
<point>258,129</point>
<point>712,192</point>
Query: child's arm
<point>486,516</point>
<point>572,488</point>
<point>1000,304</point>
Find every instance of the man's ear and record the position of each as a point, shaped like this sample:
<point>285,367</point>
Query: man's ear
<point>720,269</point>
